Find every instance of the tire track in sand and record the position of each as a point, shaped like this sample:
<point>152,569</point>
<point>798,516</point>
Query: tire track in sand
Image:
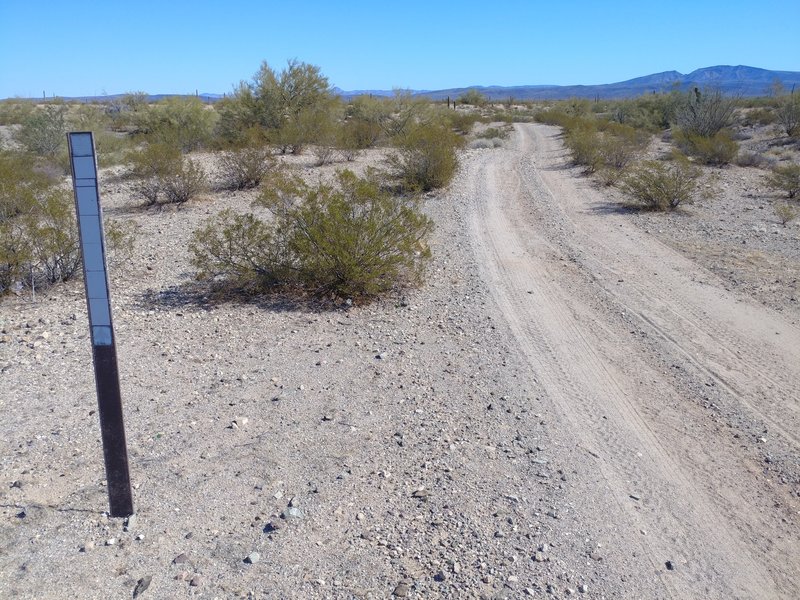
<point>549,323</point>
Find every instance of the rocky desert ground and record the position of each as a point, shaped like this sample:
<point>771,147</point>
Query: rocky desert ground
<point>582,400</point>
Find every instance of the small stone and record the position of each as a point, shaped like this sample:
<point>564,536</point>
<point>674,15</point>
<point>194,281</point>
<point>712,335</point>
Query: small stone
<point>139,537</point>
<point>294,502</point>
<point>292,513</point>
<point>420,493</point>
<point>569,591</point>
<point>130,523</point>
<point>670,565</point>
<point>530,591</point>
<point>499,534</point>
<point>252,558</point>
<point>142,585</point>
<point>487,578</point>
<point>539,557</point>
<point>583,588</point>
<point>196,581</point>
<point>180,559</point>
<point>111,541</point>
<point>401,591</point>
<point>440,576</point>
<point>361,516</point>
<point>87,547</point>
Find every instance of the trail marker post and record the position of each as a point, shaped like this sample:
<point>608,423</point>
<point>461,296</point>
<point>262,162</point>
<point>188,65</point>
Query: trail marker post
<point>95,276</point>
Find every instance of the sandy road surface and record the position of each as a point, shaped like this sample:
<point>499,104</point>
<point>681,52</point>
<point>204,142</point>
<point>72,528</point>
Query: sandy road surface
<point>665,379</point>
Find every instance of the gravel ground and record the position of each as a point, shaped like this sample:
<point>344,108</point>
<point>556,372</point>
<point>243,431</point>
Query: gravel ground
<point>416,447</point>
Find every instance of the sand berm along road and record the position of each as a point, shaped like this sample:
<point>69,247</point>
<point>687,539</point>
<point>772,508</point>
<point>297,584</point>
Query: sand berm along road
<point>632,343</point>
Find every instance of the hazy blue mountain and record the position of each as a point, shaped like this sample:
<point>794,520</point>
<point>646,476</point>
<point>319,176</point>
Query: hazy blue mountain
<point>740,80</point>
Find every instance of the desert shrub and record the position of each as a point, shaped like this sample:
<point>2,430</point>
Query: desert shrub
<point>759,116</point>
<point>39,243</point>
<point>473,97</point>
<point>583,141</point>
<point>786,213</point>
<point>785,178</point>
<point>704,113</point>
<point>355,135</point>
<point>43,132</point>
<point>183,122</point>
<point>244,168</point>
<point>483,143</point>
<point>652,113</point>
<point>717,150</point>
<point>493,132</point>
<point>751,159</point>
<point>15,112</point>
<point>788,114</point>
<point>185,183</point>
<point>656,185</point>
<point>462,121</point>
<point>351,240</point>
<point>426,157</point>
<point>162,171</point>
<point>554,116</point>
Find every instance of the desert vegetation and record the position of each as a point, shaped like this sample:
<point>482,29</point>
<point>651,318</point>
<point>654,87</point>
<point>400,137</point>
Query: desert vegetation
<point>353,236</point>
<point>651,147</point>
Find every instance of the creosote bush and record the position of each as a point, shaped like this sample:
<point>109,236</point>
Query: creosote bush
<point>426,157</point>
<point>656,185</point>
<point>38,234</point>
<point>349,240</point>
<point>786,213</point>
<point>245,168</point>
<point>43,131</point>
<point>163,172</point>
<point>785,178</point>
<point>716,150</point>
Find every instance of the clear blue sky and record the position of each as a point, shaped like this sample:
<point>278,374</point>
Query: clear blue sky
<point>175,46</point>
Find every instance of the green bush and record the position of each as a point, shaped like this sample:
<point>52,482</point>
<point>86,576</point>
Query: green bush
<point>15,112</point>
<point>426,157</point>
<point>245,168</point>
<point>162,171</point>
<point>473,97</point>
<point>717,150</point>
<point>39,243</point>
<point>583,141</point>
<point>785,178</point>
<point>786,213</point>
<point>183,122</point>
<point>351,240</point>
<point>788,114</point>
<point>655,185</point>
<point>44,131</point>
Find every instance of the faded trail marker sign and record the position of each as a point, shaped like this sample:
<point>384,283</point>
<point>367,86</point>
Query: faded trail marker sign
<point>104,352</point>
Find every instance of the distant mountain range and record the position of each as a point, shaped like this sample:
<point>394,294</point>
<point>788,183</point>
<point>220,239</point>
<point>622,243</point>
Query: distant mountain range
<point>739,80</point>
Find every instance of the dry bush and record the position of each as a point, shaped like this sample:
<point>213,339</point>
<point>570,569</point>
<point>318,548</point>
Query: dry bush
<point>245,168</point>
<point>162,171</point>
<point>655,185</point>
<point>704,113</point>
<point>785,178</point>
<point>786,213</point>
<point>185,183</point>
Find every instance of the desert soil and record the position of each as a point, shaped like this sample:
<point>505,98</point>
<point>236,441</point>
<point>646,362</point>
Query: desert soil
<point>581,400</point>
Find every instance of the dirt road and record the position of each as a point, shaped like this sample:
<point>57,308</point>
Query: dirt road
<point>682,396</point>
